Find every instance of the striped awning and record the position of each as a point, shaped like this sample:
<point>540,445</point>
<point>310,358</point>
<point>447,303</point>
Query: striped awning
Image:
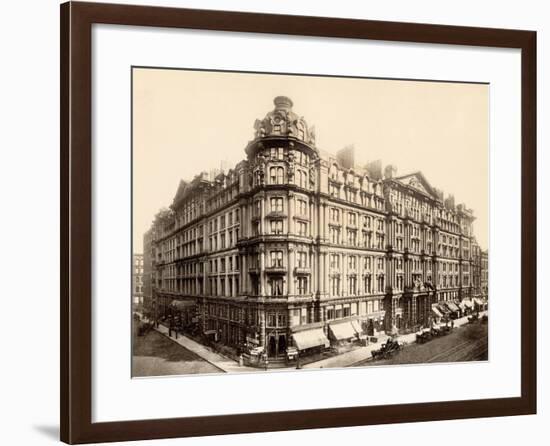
<point>310,338</point>
<point>437,312</point>
<point>452,306</point>
<point>342,331</point>
<point>357,327</point>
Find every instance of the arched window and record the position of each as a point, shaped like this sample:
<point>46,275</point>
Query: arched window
<point>280,175</point>
<point>273,175</point>
<point>302,177</point>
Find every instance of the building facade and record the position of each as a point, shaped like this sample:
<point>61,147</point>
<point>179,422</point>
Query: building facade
<point>293,241</point>
<point>137,279</point>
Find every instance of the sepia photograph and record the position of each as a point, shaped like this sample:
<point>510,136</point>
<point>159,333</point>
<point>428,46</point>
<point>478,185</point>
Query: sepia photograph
<point>293,222</point>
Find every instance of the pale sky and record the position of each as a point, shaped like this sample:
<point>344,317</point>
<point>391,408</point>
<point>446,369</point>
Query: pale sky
<point>185,122</point>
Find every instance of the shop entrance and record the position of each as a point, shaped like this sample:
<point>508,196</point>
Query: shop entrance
<point>276,345</point>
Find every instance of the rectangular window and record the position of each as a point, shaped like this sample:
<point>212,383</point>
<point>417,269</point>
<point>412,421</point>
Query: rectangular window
<point>352,237</point>
<point>302,228</point>
<point>302,259</point>
<point>302,207</point>
<point>276,287</point>
<point>302,285</point>
<point>276,226</point>
<point>277,259</point>
<point>276,204</point>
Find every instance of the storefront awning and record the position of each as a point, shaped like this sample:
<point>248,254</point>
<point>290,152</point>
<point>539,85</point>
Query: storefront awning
<point>443,309</point>
<point>467,303</point>
<point>452,306</point>
<point>479,302</point>
<point>182,304</point>
<point>342,331</point>
<point>310,338</point>
<point>437,312</point>
<point>357,327</point>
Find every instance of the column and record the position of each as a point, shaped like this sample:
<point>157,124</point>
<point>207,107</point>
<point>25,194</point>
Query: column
<point>321,271</point>
<point>262,216</point>
<point>359,276</point>
<point>290,275</point>
<point>325,221</point>
<point>291,211</point>
<point>244,273</point>
<point>325,273</point>
<point>261,315</point>
<point>343,281</point>
<point>312,263</point>
<point>262,272</point>
<point>311,314</point>
<point>312,219</point>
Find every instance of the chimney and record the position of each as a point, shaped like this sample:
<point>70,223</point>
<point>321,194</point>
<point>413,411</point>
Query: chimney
<point>346,157</point>
<point>390,171</point>
<point>374,169</point>
<point>450,202</point>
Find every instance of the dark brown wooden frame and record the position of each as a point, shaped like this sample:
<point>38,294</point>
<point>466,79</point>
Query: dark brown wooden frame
<point>76,221</point>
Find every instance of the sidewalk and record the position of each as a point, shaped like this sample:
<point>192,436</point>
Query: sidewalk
<point>360,354</point>
<point>347,359</point>
<point>224,364</point>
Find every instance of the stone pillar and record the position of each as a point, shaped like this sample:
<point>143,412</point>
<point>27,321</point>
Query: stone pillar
<point>343,281</point>
<point>262,272</point>
<point>290,275</point>
<point>413,315</point>
<point>262,216</point>
<point>244,274</point>
<point>261,315</point>
<point>360,260</point>
<point>325,222</point>
<point>325,273</point>
<point>291,212</point>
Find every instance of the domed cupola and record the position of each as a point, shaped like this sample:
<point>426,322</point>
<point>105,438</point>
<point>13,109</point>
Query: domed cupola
<point>283,122</point>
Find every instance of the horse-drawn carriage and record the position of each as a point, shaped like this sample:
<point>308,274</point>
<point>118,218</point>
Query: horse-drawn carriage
<point>473,318</point>
<point>424,336</point>
<point>387,349</point>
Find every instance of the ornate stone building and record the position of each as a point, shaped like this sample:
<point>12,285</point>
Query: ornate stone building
<point>293,245</point>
